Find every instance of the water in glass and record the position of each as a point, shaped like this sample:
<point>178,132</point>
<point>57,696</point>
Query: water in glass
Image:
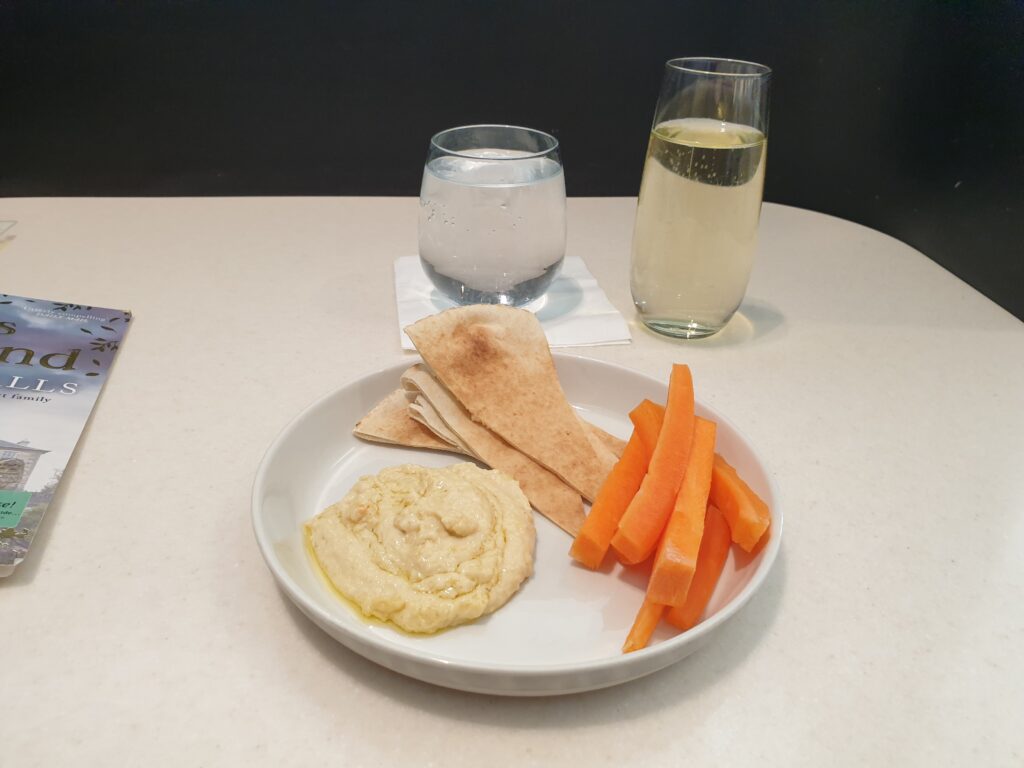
<point>492,225</point>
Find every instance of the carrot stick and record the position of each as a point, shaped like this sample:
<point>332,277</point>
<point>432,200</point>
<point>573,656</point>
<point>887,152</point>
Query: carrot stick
<point>746,512</point>
<point>644,519</point>
<point>591,543</point>
<point>647,419</point>
<point>763,541</point>
<point>676,561</point>
<point>643,627</point>
<point>714,549</point>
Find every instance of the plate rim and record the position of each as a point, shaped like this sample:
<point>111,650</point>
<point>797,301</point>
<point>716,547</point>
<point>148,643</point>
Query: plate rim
<point>441,662</point>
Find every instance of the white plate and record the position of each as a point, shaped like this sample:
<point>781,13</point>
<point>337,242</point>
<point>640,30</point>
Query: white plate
<point>563,631</point>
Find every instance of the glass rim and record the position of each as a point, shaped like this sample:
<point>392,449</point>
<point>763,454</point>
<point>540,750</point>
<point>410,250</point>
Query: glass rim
<point>759,70</point>
<point>476,156</point>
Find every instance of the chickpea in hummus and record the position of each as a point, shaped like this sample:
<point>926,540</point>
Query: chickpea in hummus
<point>425,548</point>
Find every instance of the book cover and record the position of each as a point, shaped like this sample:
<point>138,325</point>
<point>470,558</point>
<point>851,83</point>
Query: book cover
<point>54,360</point>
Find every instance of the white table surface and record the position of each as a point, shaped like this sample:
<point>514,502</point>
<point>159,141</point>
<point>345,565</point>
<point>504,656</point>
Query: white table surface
<point>887,395</point>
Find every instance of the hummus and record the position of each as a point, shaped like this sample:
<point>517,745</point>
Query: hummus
<point>427,548</point>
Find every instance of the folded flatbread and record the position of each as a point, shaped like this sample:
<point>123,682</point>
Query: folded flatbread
<point>597,439</point>
<point>423,412</point>
<point>496,362</point>
<point>548,494</point>
<point>390,422</point>
<point>612,443</point>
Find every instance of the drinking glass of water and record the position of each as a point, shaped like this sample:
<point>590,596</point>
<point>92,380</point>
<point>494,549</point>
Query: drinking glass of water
<point>492,214</point>
<point>700,196</point>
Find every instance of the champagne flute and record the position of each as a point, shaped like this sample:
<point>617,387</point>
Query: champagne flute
<point>700,196</point>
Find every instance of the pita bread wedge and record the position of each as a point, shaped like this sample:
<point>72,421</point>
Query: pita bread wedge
<point>546,492</point>
<point>609,441</point>
<point>425,413</point>
<point>495,360</point>
<point>599,442</point>
<point>389,422</point>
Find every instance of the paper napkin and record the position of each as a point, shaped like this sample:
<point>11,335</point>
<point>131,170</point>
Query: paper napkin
<point>573,313</point>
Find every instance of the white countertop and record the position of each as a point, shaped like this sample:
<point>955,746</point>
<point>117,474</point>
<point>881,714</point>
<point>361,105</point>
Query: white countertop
<point>886,395</point>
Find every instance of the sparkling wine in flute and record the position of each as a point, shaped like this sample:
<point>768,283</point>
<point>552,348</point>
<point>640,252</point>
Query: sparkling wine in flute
<point>696,223</point>
<point>700,196</point>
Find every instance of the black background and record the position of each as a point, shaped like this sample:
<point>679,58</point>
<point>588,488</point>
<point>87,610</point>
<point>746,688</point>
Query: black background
<point>904,116</point>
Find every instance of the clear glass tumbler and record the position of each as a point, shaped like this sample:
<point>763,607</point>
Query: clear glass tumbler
<point>492,214</point>
<point>700,197</point>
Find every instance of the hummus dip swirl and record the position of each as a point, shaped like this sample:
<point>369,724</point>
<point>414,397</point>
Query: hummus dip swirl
<point>427,548</point>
